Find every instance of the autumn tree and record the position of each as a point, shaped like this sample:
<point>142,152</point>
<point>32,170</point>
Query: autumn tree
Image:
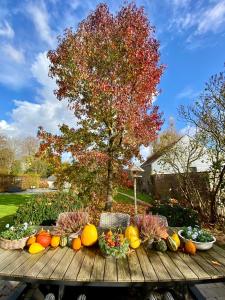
<point>207,114</point>
<point>107,71</point>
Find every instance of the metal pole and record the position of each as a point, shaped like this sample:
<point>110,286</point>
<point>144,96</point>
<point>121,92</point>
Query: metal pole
<point>135,195</point>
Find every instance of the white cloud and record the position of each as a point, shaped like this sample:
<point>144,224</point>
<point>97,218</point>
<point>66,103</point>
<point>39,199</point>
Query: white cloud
<point>12,53</point>
<point>47,111</point>
<point>14,70</point>
<point>39,15</point>
<point>145,151</point>
<point>199,18</point>
<point>212,19</point>
<point>188,93</point>
<point>188,130</point>
<point>6,30</point>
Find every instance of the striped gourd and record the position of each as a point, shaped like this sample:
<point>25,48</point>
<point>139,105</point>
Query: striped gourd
<point>171,244</point>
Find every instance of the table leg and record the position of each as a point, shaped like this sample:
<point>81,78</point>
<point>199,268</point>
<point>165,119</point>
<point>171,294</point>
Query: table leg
<point>61,291</point>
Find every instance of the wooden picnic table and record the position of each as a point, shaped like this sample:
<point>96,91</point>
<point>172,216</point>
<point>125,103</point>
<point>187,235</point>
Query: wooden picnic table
<point>66,267</point>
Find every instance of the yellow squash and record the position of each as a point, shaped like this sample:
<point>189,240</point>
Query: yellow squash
<point>35,248</point>
<point>131,231</point>
<point>134,242</point>
<point>89,235</point>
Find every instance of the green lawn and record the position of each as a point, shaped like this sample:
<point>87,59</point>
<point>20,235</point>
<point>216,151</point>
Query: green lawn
<point>8,206</point>
<point>130,192</point>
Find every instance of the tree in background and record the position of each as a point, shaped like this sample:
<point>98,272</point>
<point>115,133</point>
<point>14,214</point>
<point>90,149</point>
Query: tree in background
<point>166,138</point>
<point>108,71</point>
<point>207,114</point>
<point>180,157</point>
<point>6,156</point>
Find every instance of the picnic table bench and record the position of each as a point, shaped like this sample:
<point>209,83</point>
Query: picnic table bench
<point>64,266</point>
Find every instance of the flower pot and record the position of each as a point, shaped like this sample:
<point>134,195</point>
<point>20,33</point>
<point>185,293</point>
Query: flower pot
<point>13,244</point>
<point>199,245</point>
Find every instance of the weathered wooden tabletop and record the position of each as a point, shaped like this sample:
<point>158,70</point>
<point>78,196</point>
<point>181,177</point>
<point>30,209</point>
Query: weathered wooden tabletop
<point>88,266</point>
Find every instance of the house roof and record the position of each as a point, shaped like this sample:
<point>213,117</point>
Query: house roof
<point>159,153</point>
<point>136,169</point>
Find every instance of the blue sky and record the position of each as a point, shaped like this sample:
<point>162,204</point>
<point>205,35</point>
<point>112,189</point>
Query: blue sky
<point>191,35</point>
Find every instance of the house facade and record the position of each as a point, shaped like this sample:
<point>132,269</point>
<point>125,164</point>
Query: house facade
<point>157,172</point>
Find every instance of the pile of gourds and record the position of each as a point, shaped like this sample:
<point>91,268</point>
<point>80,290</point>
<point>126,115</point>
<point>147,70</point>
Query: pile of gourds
<point>89,236</point>
<point>44,239</point>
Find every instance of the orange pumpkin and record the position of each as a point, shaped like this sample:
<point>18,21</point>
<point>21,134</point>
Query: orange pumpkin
<point>76,244</point>
<point>190,247</point>
<point>31,240</point>
<point>55,240</point>
<point>44,238</point>
<point>89,235</point>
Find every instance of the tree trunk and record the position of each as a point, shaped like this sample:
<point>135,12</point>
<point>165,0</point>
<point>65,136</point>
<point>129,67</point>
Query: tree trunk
<point>213,212</point>
<point>109,200</point>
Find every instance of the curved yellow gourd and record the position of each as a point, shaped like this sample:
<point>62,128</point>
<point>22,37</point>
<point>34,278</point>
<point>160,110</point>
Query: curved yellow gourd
<point>35,248</point>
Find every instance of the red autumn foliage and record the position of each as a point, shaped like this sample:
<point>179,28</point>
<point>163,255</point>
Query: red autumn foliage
<point>108,72</point>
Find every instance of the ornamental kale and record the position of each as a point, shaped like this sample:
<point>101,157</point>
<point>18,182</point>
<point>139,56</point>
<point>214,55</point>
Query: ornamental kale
<point>197,234</point>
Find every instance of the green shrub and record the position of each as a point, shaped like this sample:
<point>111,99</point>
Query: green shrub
<point>29,180</point>
<point>177,216</point>
<point>44,209</point>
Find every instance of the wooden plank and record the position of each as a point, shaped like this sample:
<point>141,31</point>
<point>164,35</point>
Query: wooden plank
<point>158,266</point>
<point>206,266</point>
<point>194,266</point>
<point>135,268</point>
<point>15,264</point>
<point>27,265</point>
<point>182,266</point>
<point>62,267</point>
<point>87,265</point>
<point>219,250</point>
<point>171,268</point>
<point>146,266</point>
<point>8,253</point>
<point>75,265</point>
<point>4,253</point>
<point>216,256</point>
<point>123,272</point>
<point>98,268</point>
<point>205,255</point>
<point>12,255</point>
<point>49,268</point>
<point>42,262</point>
<point>110,269</point>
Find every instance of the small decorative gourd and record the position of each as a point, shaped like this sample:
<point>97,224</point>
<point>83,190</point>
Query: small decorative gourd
<point>44,238</point>
<point>55,241</point>
<point>171,244</point>
<point>76,244</point>
<point>31,240</point>
<point>190,248</point>
<point>63,241</point>
<point>176,238</point>
<point>160,245</point>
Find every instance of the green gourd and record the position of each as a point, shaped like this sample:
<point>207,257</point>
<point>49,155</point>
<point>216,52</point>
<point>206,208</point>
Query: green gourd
<point>63,241</point>
<point>160,245</point>
<point>171,244</point>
